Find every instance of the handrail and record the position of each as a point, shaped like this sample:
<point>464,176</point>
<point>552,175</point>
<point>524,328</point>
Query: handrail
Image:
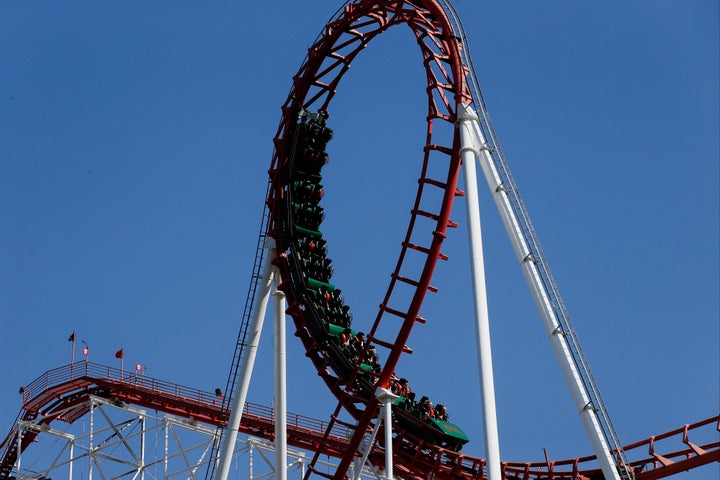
<point>82,375</point>
<point>79,372</point>
<point>88,370</point>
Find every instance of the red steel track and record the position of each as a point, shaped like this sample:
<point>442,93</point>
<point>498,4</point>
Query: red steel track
<point>69,385</point>
<point>314,87</point>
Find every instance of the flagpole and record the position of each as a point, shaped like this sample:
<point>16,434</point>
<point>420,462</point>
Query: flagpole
<point>72,352</point>
<point>121,355</point>
<point>86,352</point>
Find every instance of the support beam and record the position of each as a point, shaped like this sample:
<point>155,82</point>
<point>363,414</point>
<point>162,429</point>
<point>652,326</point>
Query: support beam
<point>570,367</point>
<point>468,152</point>
<point>71,459</point>
<point>280,387</point>
<point>386,399</point>
<point>231,433</point>
<point>142,465</point>
<point>91,447</point>
<point>359,465</point>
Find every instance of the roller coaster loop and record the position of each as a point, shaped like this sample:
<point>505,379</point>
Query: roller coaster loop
<point>314,302</point>
<point>423,448</point>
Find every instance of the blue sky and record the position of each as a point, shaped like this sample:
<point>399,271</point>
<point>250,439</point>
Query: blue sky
<point>135,140</point>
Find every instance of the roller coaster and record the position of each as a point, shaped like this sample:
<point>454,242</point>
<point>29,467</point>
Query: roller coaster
<point>68,394</point>
<point>355,366</point>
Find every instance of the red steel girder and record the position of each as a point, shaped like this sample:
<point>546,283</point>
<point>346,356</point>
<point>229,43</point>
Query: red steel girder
<point>43,404</point>
<point>314,87</point>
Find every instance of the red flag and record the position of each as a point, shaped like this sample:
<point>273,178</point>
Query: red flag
<point>120,353</point>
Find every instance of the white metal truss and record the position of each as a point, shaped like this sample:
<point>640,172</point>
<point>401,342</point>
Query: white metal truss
<point>115,441</point>
<point>297,462</point>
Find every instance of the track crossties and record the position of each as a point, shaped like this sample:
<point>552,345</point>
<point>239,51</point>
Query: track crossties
<point>317,306</point>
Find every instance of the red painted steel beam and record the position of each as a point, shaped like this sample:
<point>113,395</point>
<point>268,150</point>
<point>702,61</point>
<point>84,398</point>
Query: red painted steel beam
<point>314,87</point>
<point>679,466</point>
<point>307,433</point>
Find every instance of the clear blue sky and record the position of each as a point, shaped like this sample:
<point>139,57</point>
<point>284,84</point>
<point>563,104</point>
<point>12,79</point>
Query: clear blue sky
<point>135,140</point>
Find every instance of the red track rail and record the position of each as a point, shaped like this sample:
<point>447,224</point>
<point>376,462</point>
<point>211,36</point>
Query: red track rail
<point>313,88</point>
<point>69,385</point>
<point>50,394</point>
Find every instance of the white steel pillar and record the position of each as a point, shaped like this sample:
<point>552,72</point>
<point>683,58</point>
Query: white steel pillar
<point>280,387</point>
<point>71,460</point>
<point>468,152</point>
<point>91,453</point>
<point>19,449</point>
<point>386,398</point>
<point>360,464</point>
<point>141,465</point>
<point>387,408</point>
<point>166,447</point>
<point>559,343</point>
<point>246,368</point>
<point>250,460</point>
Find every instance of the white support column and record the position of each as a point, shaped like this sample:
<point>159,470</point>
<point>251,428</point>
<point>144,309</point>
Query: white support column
<point>142,448</point>
<point>359,465</point>
<point>166,447</point>
<point>468,152</point>
<point>71,459</point>
<point>246,369</point>
<point>539,293</point>
<point>91,453</point>
<point>250,460</point>
<point>386,398</point>
<point>19,450</point>
<point>280,387</point>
